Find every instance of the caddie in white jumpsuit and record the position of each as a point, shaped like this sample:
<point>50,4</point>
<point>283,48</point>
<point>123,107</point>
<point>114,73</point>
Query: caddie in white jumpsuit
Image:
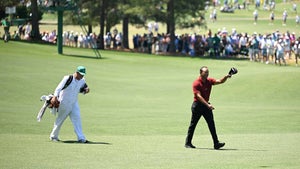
<point>68,105</point>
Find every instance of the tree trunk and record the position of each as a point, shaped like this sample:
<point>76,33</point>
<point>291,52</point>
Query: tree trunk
<point>171,25</point>
<point>125,32</point>
<point>90,29</point>
<point>107,28</point>
<point>102,24</point>
<point>35,21</point>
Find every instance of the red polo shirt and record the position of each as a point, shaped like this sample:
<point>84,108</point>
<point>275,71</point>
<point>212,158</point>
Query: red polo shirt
<point>203,88</point>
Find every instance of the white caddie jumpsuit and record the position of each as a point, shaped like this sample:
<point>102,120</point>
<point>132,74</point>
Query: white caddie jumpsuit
<point>68,106</point>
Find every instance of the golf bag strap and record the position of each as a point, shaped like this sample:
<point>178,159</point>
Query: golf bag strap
<point>68,82</point>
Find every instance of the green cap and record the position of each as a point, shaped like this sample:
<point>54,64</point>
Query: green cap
<point>81,70</point>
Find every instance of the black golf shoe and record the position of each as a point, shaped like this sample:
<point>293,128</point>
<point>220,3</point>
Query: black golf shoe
<point>219,145</point>
<point>189,145</point>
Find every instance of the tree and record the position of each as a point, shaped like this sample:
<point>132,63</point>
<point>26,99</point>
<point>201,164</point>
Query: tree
<point>33,9</point>
<point>107,10</point>
<point>102,22</point>
<point>176,14</point>
<point>183,14</point>
<point>86,13</point>
<point>6,3</point>
<point>179,13</point>
<point>134,12</point>
<point>95,12</point>
<point>125,24</point>
<point>35,21</point>
<point>171,24</point>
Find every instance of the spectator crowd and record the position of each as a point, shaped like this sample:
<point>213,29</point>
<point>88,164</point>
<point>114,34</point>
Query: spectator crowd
<point>272,47</point>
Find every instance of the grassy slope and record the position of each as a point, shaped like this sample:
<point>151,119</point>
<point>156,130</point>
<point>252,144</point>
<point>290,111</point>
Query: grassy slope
<point>139,108</point>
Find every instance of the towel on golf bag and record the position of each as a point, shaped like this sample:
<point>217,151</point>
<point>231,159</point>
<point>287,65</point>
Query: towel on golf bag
<point>47,104</point>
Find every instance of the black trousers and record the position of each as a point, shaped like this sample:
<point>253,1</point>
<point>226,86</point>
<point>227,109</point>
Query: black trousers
<point>198,110</point>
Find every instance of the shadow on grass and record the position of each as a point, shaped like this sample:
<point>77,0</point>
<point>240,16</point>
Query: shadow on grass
<point>223,149</point>
<point>89,142</point>
<point>41,42</point>
<point>82,56</point>
<point>265,166</point>
<point>229,149</point>
<point>232,58</point>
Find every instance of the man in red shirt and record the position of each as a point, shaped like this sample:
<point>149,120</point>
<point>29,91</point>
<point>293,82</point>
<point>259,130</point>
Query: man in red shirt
<point>201,106</point>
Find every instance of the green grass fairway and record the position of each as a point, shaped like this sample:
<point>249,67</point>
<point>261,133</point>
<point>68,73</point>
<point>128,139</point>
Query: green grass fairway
<point>138,112</point>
